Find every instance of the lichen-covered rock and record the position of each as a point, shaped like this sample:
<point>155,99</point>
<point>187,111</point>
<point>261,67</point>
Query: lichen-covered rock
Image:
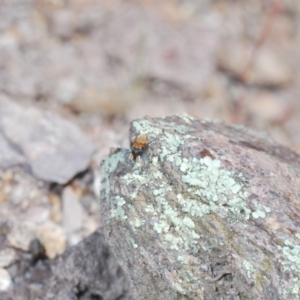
<point>209,211</point>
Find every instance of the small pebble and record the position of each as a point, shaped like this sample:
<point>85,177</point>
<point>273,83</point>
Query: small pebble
<point>5,280</point>
<point>7,256</point>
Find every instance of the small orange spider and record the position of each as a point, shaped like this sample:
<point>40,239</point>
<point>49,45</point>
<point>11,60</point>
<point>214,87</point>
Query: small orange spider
<point>138,146</point>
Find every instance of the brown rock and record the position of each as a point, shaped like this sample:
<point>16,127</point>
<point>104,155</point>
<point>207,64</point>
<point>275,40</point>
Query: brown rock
<point>53,239</point>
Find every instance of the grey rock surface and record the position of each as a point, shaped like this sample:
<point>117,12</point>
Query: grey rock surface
<point>53,148</point>
<point>8,155</point>
<point>29,271</point>
<point>209,211</point>
<point>87,271</point>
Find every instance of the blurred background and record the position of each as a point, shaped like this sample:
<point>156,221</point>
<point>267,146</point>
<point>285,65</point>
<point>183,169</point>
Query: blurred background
<point>106,62</point>
<point>101,63</point>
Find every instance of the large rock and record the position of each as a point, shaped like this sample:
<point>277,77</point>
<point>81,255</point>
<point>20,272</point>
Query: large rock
<point>209,211</point>
<point>53,148</point>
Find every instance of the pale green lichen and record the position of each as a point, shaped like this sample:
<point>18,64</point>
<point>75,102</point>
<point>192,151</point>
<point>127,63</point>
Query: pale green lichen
<point>249,268</point>
<point>136,223</point>
<point>155,160</point>
<point>171,148</point>
<point>119,212</point>
<point>293,290</point>
<point>292,255</point>
<point>183,259</point>
<point>178,288</point>
<point>158,175</point>
<point>296,287</point>
<point>179,128</point>
<point>108,167</point>
<point>146,127</point>
<point>190,277</point>
<point>217,186</point>
<point>241,128</point>
<point>186,281</point>
<point>193,207</point>
<point>151,210</point>
<point>260,211</point>
<point>291,262</point>
<point>138,179</point>
<point>187,118</point>
<point>133,244</point>
<point>161,226</point>
<point>176,229</point>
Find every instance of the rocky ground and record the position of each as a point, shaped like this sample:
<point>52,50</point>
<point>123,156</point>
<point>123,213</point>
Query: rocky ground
<point>73,74</point>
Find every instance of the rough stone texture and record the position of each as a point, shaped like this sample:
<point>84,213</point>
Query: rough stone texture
<point>88,271</point>
<point>55,149</point>
<point>211,211</point>
<point>29,272</point>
